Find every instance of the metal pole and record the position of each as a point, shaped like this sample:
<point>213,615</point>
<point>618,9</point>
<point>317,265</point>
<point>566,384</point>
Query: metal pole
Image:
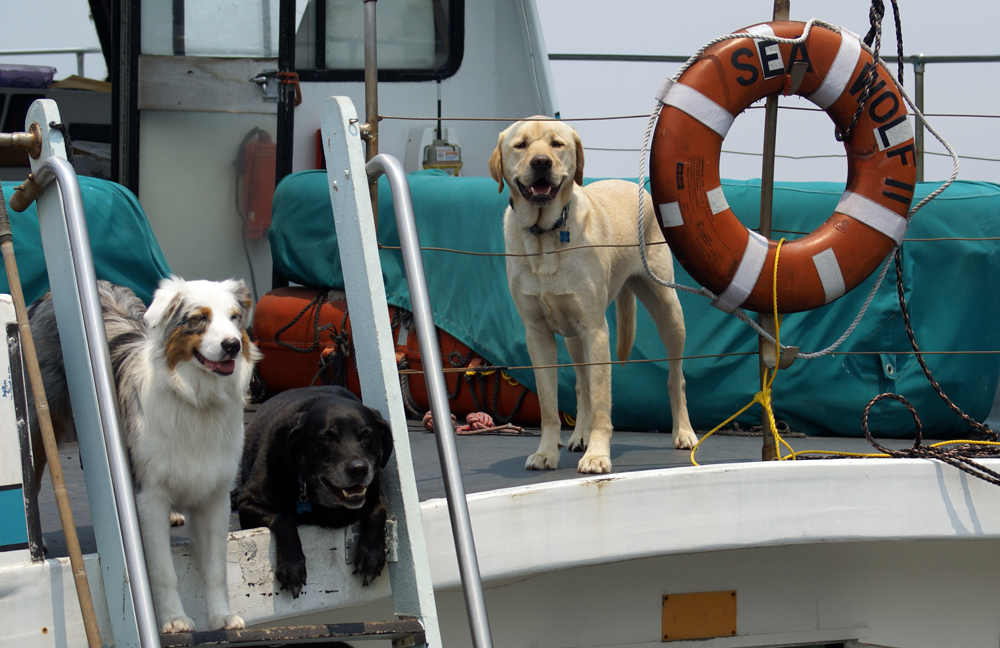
<point>48,435</point>
<point>370,129</point>
<point>782,9</point>
<point>918,123</point>
<point>93,319</point>
<point>444,433</point>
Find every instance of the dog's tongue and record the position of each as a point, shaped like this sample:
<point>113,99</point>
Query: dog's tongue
<point>225,367</point>
<point>541,189</point>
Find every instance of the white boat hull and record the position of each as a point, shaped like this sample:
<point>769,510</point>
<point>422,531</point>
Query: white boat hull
<point>875,552</point>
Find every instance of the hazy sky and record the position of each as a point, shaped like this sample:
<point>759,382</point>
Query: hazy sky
<point>679,28</point>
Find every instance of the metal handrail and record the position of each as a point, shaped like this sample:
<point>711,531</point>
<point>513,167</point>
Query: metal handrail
<point>62,172</point>
<point>918,61</point>
<point>437,390</point>
<point>669,58</point>
<point>79,51</point>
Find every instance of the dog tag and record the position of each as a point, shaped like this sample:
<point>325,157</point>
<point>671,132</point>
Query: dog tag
<point>303,507</point>
<point>564,236</point>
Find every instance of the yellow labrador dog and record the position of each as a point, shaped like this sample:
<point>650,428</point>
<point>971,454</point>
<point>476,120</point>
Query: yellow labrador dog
<point>541,160</point>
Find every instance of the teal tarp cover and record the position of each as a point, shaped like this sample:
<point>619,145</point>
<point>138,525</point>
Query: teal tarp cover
<point>124,248</point>
<point>949,280</point>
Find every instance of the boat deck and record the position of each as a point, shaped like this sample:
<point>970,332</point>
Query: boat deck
<point>489,462</point>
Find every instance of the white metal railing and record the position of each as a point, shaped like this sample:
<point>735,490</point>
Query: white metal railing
<point>78,51</point>
<point>918,61</point>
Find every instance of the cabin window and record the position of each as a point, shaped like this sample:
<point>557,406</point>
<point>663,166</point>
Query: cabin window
<point>417,40</point>
<point>221,28</point>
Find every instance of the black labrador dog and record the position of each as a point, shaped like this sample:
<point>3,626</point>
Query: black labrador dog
<point>314,456</point>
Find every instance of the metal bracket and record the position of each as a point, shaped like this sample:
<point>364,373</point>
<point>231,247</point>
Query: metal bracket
<point>796,75</point>
<point>767,351</point>
<point>270,85</point>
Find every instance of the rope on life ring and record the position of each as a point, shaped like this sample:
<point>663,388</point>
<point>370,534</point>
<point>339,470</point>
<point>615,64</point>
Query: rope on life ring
<point>699,107</point>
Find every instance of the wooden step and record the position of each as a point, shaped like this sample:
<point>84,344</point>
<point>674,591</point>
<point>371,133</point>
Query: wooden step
<point>403,633</point>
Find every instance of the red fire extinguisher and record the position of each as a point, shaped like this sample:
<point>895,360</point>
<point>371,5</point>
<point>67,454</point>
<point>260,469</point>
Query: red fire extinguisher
<point>255,182</point>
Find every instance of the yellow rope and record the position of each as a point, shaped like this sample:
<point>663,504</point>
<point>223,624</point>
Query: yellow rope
<point>765,399</point>
<point>767,380</point>
<point>965,441</point>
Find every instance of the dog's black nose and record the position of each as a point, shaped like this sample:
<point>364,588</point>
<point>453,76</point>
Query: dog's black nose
<point>541,162</point>
<point>357,469</point>
<point>231,346</point>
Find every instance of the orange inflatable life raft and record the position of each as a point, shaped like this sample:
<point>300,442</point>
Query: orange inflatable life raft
<point>305,337</point>
<point>715,248</point>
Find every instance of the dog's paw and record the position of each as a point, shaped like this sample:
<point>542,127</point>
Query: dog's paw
<point>543,461</point>
<point>180,624</point>
<point>685,440</point>
<point>577,442</point>
<point>369,563</point>
<point>594,464</point>
<point>227,622</point>
<point>176,519</point>
<point>292,575</point>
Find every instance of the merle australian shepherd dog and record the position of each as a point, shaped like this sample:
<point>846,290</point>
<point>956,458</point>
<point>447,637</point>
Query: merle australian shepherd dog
<point>182,369</point>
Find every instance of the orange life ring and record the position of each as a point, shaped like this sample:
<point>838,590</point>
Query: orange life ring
<point>713,246</point>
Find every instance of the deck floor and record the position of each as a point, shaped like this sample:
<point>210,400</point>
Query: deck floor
<point>488,462</point>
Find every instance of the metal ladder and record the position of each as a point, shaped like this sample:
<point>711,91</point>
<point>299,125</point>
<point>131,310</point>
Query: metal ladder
<point>73,282</point>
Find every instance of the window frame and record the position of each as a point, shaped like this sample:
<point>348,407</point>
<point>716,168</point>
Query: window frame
<point>456,33</point>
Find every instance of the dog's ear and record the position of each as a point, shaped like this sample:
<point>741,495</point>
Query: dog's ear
<point>296,426</point>
<point>384,432</point>
<point>242,295</point>
<point>166,300</point>
<point>496,162</point>
<point>578,176</point>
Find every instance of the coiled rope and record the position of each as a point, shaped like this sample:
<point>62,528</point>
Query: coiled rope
<point>332,367</point>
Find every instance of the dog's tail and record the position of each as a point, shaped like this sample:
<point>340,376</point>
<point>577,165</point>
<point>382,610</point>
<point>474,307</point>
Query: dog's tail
<point>625,314</point>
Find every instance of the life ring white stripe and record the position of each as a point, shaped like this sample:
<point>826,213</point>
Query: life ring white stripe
<point>670,215</point>
<point>717,201</point>
<point>692,102</point>
<point>763,29</point>
<point>892,136</point>
<point>830,274</point>
<point>746,275</point>
<point>840,72</point>
<point>774,63</point>
<point>873,215</point>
